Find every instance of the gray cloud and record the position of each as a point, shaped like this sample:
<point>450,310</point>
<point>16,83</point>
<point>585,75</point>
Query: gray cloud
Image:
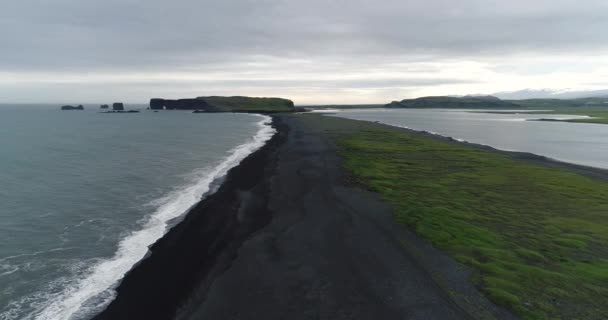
<point>240,36</point>
<point>77,34</point>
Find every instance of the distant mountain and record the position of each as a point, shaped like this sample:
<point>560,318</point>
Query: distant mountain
<point>562,103</point>
<point>551,94</point>
<point>466,102</point>
<point>481,97</point>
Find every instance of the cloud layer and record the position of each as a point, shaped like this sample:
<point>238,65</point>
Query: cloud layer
<point>312,51</point>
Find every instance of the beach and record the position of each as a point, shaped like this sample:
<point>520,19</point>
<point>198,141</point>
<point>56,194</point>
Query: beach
<point>288,235</point>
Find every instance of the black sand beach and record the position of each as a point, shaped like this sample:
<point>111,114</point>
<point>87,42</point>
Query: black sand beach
<point>287,236</point>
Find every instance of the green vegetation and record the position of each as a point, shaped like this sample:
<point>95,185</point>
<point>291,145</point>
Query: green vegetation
<point>249,104</point>
<point>537,236</point>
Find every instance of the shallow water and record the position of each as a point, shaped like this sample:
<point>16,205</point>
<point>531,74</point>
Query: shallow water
<point>84,194</point>
<point>579,143</point>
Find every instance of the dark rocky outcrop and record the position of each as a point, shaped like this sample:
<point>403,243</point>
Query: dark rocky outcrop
<point>118,106</point>
<point>104,106</point>
<point>157,104</point>
<point>180,104</point>
<point>225,104</point>
<point>67,107</point>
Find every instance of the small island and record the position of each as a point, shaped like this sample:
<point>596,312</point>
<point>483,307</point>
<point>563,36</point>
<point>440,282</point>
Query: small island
<point>118,107</point>
<point>68,107</point>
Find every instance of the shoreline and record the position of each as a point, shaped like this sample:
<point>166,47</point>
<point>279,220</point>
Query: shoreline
<point>220,238</point>
<point>229,256</point>
<point>504,214</point>
<point>589,171</point>
<point>265,218</point>
<point>593,172</point>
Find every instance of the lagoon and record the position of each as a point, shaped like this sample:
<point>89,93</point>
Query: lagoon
<point>578,143</point>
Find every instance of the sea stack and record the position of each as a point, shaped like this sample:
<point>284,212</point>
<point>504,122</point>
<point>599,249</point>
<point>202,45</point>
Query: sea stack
<point>104,106</point>
<point>118,106</point>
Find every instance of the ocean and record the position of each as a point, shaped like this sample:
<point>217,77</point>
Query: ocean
<point>83,194</point>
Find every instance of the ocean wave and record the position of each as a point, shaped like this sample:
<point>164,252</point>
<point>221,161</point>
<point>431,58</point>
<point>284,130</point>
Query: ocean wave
<point>85,296</point>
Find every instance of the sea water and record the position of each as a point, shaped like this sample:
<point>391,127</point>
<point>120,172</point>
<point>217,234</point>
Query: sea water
<point>83,194</point>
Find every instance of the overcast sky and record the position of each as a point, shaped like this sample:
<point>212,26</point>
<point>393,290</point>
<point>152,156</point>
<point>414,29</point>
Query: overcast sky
<point>313,51</point>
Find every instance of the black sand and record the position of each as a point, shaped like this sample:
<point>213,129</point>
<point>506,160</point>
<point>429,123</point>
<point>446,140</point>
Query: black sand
<point>287,237</point>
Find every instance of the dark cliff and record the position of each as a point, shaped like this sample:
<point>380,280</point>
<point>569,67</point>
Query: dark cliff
<point>225,104</point>
<point>181,104</point>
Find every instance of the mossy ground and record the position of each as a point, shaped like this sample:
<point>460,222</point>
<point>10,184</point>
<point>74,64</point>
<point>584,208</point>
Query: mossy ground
<point>536,235</point>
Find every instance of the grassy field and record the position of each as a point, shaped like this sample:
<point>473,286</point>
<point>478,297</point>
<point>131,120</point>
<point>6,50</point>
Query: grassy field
<point>537,236</point>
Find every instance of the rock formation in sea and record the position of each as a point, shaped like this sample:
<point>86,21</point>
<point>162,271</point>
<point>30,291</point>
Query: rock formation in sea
<point>118,106</point>
<point>104,106</point>
<point>67,107</point>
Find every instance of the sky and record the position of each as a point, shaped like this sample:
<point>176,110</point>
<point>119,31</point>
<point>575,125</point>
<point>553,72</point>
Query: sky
<point>313,51</point>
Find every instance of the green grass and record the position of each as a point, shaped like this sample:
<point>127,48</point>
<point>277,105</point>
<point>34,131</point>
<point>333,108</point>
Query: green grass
<point>537,236</point>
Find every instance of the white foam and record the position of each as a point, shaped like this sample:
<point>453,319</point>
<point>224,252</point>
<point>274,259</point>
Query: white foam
<point>95,290</point>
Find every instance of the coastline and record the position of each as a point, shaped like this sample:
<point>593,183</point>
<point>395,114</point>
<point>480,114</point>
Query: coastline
<point>105,209</point>
<point>589,171</point>
<point>286,236</point>
<point>506,215</point>
<point>145,293</point>
<point>593,172</point>
<point>260,246</point>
